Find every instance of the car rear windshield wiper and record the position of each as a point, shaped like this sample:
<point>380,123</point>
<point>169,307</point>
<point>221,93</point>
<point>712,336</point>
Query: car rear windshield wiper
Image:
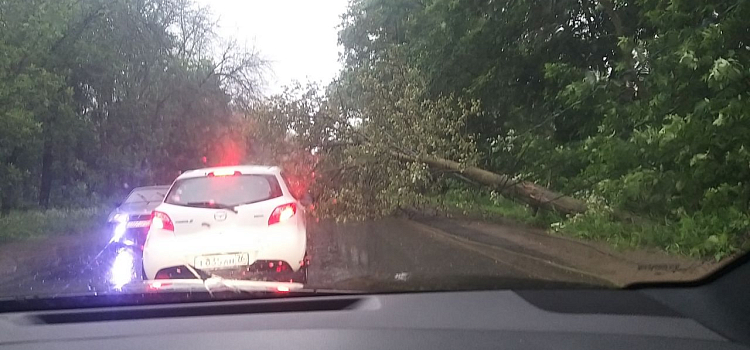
<point>249,202</point>
<point>212,205</point>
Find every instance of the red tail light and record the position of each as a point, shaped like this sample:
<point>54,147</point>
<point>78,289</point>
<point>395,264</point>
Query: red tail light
<point>218,173</point>
<point>161,220</point>
<point>282,213</point>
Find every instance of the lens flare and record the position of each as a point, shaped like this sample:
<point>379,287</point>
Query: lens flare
<point>123,269</point>
<point>119,231</point>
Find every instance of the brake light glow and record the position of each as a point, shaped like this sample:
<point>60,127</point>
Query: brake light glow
<point>282,289</point>
<point>282,213</point>
<point>158,285</point>
<point>218,173</point>
<point>161,220</point>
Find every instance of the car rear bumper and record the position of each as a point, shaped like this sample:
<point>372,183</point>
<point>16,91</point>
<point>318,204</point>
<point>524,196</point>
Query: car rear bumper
<point>260,270</point>
<point>285,244</point>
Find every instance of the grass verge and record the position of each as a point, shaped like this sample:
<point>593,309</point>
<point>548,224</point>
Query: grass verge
<point>697,235</point>
<point>21,225</point>
<point>489,206</point>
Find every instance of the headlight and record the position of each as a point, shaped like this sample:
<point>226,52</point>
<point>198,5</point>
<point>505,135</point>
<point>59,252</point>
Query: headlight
<point>120,217</point>
<point>119,231</point>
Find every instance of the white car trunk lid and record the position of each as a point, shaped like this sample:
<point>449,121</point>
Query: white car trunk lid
<point>191,220</point>
<point>206,204</point>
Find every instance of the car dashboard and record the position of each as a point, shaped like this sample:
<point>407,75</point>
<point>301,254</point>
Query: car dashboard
<point>531,319</point>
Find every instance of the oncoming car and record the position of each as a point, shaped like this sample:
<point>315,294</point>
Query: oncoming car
<point>237,222</point>
<point>128,223</point>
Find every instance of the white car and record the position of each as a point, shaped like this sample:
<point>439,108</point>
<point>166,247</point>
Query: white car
<point>238,222</point>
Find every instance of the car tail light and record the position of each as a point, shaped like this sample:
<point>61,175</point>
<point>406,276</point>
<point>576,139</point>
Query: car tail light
<point>161,220</point>
<point>282,213</point>
<point>218,173</point>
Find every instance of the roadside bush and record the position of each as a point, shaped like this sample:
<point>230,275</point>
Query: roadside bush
<point>699,235</point>
<point>713,234</point>
<point>20,225</point>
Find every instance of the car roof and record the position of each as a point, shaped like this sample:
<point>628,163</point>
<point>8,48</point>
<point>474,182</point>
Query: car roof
<point>244,169</point>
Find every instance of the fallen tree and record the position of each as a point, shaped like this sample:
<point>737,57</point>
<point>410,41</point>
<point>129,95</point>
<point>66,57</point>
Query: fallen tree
<point>525,191</point>
<point>388,131</point>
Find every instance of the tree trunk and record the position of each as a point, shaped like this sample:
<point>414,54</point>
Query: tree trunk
<point>525,191</point>
<point>627,54</point>
<point>46,185</point>
<point>10,192</point>
<point>6,205</point>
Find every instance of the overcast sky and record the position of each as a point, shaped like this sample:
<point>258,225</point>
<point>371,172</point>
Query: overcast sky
<point>297,36</point>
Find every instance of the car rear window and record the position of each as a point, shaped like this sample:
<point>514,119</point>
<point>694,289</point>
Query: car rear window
<point>146,195</point>
<point>224,190</point>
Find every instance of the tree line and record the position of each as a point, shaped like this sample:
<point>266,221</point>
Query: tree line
<point>98,96</point>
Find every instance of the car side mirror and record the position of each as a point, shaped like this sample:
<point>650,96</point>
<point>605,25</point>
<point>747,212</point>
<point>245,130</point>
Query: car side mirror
<point>306,199</point>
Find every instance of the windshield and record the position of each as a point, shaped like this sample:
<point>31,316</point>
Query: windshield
<point>224,190</point>
<point>146,195</point>
<point>370,145</point>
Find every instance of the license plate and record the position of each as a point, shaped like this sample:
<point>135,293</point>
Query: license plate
<point>134,224</point>
<point>221,261</point>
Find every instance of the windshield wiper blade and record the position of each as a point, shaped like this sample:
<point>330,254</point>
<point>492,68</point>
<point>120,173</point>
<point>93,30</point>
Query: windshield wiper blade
<point>246,203</point>
<point>212,205</point>
<point>203,275</point>
<point>213,283</point>
<point>206,276</point>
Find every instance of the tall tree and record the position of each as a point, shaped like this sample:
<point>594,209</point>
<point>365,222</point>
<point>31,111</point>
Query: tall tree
<point>99,95</point>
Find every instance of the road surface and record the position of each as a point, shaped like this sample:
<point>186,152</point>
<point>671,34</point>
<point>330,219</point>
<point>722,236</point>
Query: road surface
<point>382,255</point>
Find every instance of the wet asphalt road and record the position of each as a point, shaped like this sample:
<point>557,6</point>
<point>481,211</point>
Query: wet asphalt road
<point>389,254</point>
